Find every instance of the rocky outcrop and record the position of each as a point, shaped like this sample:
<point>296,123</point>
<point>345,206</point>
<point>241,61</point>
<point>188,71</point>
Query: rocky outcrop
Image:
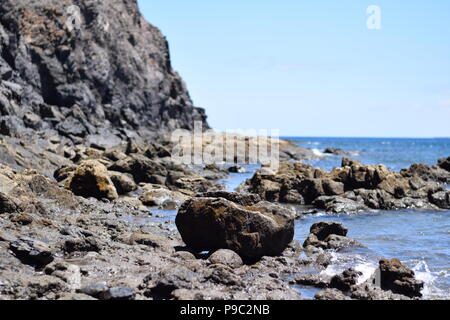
<point>208,224</point>
<point>444,163</point>
<point>351,188</point>
<point>91,179</point>
<point>396,277</point>
<point>328,235</point>
<point>437,173</point>
<point>80,66</point>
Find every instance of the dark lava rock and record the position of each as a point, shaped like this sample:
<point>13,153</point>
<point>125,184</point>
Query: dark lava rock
<point>226,257</point>
<point>82,245</point>
<point>8,205</point>
<point>250,231</point>
<point>122,182</point>
<point>323,229</point>
<point>441,199</point>
<point>335,151</point>
<point>399,279</point>
<point>91,179</point>
<point>329,235</point>
<point>346,280</point>
<point>444,163</point>
<point>111,70</point>
<point>237,169</point>
<point>32,252</point>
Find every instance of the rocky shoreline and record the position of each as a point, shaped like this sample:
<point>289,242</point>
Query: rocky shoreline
<point>86,113</point>
<point>88,233</point>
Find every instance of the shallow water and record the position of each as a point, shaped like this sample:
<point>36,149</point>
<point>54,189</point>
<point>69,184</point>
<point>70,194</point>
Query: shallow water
<point>420,239</point>
<point>396,153</point>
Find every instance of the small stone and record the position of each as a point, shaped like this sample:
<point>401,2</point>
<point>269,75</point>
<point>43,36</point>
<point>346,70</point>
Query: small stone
<point>226,257</point>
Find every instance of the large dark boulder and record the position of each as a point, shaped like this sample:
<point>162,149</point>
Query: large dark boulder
<point>208,224</point>
<point>399,279</point>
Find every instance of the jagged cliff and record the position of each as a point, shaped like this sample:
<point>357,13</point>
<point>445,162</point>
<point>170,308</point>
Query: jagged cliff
<point>82,66</point>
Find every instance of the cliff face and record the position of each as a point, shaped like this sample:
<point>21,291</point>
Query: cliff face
<point>85,67</point>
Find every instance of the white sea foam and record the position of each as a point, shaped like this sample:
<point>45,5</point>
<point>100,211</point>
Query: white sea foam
<point>430,290</point>
<point>318,153</point>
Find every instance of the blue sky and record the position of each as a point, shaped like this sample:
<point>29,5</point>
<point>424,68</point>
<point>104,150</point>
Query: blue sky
<point>313,68</point>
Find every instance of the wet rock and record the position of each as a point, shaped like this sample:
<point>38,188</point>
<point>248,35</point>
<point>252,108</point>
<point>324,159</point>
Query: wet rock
<point>122,182</point>
<point>339,242</point>
<point>250,231</point>
<point>441,199</point>
<point>329,235</point>
<point>32,252</point>
<point>324,228</point>
<point>91,179</point>
<point>444,163</point>
<point>226,257</point>
<point>399,279</point>
<point>237,169</point>
<point>335,151</point>
<point>346,280</point>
